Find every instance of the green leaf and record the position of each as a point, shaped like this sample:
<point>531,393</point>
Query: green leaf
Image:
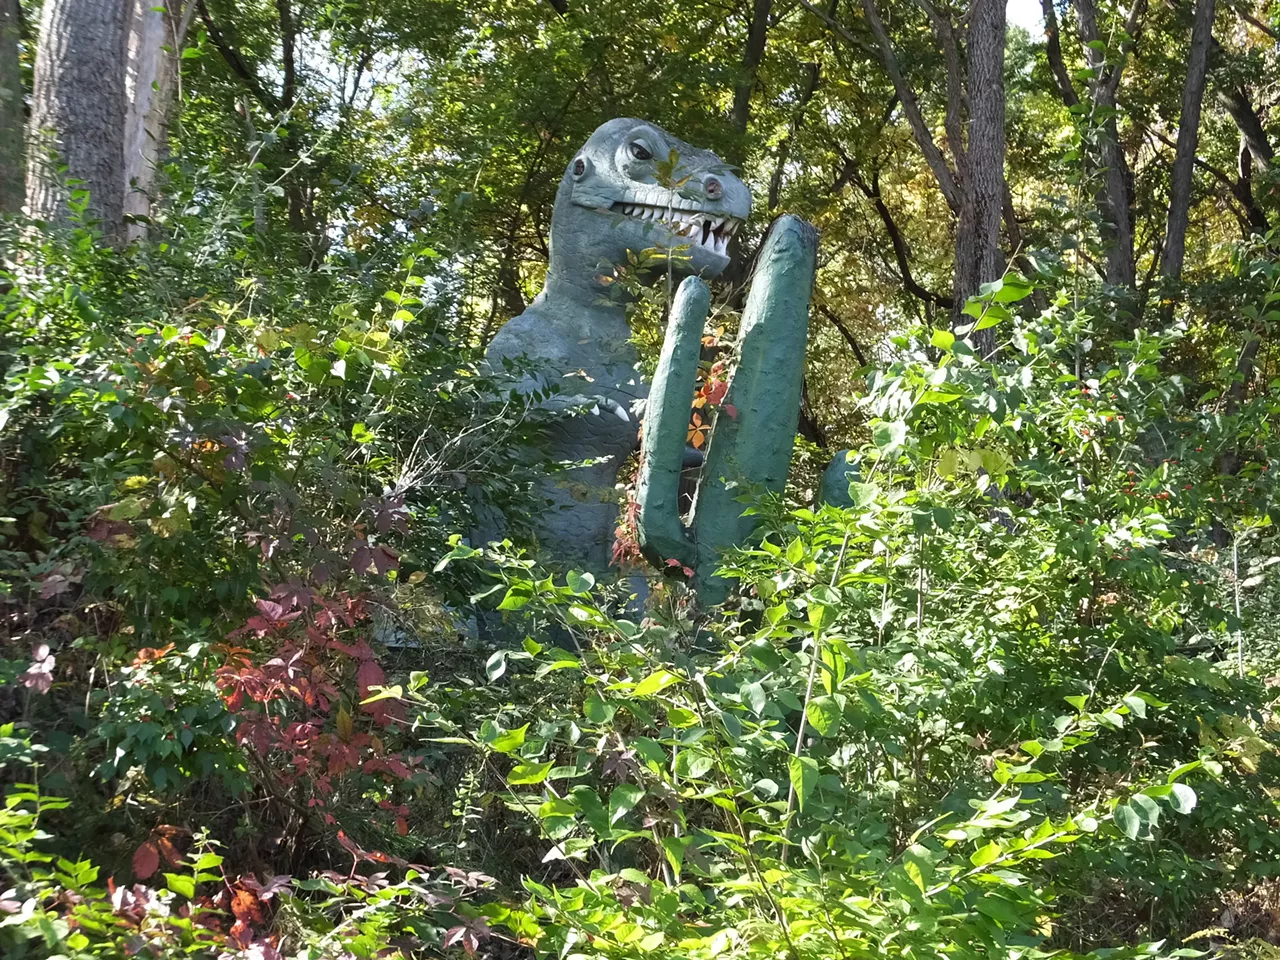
<point>393,692</point>
<point>655,682</point>
<point>362,434</point>
<point>529,773</point>
<point>825,715</point>
<point>588,801</point>
<point>1137,706</point>
<point>991,317</point>
<point>804,777</point>
<point>795,551</point>
<point>180,884</point>
<point>1012,289</point>
<point>753,696</point>
<point>942,339</point>
<point>988,853</point>
<point>597,710</point>
<point>496,665</point>
<point>518,594</point>
<point>1146,807</point>
<point>1128,821</point>
<point>623,800</point>
<point>510,740</point>
<point>863,494</point>
<point>889,435</point>
<point>1182,798</point>
<point>821,616</point>
<point>579,581</point>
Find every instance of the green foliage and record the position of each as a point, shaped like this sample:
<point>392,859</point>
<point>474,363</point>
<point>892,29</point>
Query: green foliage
<point>999,695</point>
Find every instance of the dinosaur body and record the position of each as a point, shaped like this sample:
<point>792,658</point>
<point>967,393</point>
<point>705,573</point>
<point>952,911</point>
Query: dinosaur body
<point>611,202</point>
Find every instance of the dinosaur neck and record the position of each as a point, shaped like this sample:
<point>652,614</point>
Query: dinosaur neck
<point>577,298</point>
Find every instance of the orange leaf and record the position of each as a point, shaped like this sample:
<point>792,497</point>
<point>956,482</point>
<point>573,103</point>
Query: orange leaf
<point>146,860</point>
<point>244,904</point>
<point>402,826</point>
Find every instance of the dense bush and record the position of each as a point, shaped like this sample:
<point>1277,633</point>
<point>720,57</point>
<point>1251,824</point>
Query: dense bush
<point>1016,701</point>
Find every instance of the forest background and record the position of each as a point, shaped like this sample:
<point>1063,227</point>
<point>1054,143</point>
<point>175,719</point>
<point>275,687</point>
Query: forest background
<point>1018,701</point>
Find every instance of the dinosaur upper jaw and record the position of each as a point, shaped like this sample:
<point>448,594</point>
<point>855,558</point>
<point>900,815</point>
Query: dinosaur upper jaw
<point>707,230</point>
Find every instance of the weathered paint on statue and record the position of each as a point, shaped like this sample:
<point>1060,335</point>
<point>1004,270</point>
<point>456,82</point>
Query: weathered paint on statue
<point>753,435</point>
<point>610,202</point>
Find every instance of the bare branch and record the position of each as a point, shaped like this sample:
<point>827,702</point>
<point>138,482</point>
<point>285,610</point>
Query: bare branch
<point>920,130</point>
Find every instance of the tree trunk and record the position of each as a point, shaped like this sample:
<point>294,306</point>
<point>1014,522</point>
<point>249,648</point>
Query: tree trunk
<point>78,111</point>
<point>1175,242</point>
<point>1053,49</point>
<point>979,259</point>
<point>752,57</point>
<point>1236,102</point>
<point>11,122</point>
<point>1114,195</point>
<point>155,39</point>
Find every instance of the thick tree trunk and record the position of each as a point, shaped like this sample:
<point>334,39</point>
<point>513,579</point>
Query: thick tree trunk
<point>78,111</point>
<point>979,259</point>
<point>11,165</point>
<point>1175,241</point>
<point>155,39</point>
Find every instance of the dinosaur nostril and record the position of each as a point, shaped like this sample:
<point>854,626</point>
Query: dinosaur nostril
<point>713,188</point>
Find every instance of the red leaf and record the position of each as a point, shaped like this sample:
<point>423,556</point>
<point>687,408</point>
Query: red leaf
<point>731,410</point>
<point>170,852</point>
<point>146,860</point>
<point>402,826</point>
<point>369,673</point>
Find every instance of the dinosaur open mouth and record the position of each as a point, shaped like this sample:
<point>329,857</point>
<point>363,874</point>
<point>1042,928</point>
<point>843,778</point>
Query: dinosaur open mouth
<point>709,230</point>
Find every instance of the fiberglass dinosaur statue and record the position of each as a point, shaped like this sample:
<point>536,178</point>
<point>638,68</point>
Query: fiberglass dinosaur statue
<point>614,199</point>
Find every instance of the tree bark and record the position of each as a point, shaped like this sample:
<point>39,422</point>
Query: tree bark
<point>1237,104</point>
<point>78,111</point>
<point>979,259</point>
<point>1053,50</point>
<point>155,41</point>
<point>11,119</point>
<point>753,56</point>
<point>1114,200</point>
<point>911,107</point>
<point>1175,242</point>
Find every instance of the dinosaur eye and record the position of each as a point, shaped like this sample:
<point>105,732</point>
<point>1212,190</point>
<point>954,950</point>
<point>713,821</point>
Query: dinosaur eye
<point>639,150</point>
<point>579,168</point>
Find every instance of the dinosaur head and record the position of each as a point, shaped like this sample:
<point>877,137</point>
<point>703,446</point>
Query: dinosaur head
<point>621,193</point>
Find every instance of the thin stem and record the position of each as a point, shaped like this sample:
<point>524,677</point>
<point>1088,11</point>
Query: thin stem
<point>808,693</point>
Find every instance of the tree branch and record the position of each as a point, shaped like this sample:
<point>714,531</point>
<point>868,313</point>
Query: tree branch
<point>797,119</point>
<point>901,252</point>
<point>844,332</point>
<point>954,119</point>
<point>289,89</point>
<point>1053,50</point>
<point>232,58</point>
<point>933,156</point>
